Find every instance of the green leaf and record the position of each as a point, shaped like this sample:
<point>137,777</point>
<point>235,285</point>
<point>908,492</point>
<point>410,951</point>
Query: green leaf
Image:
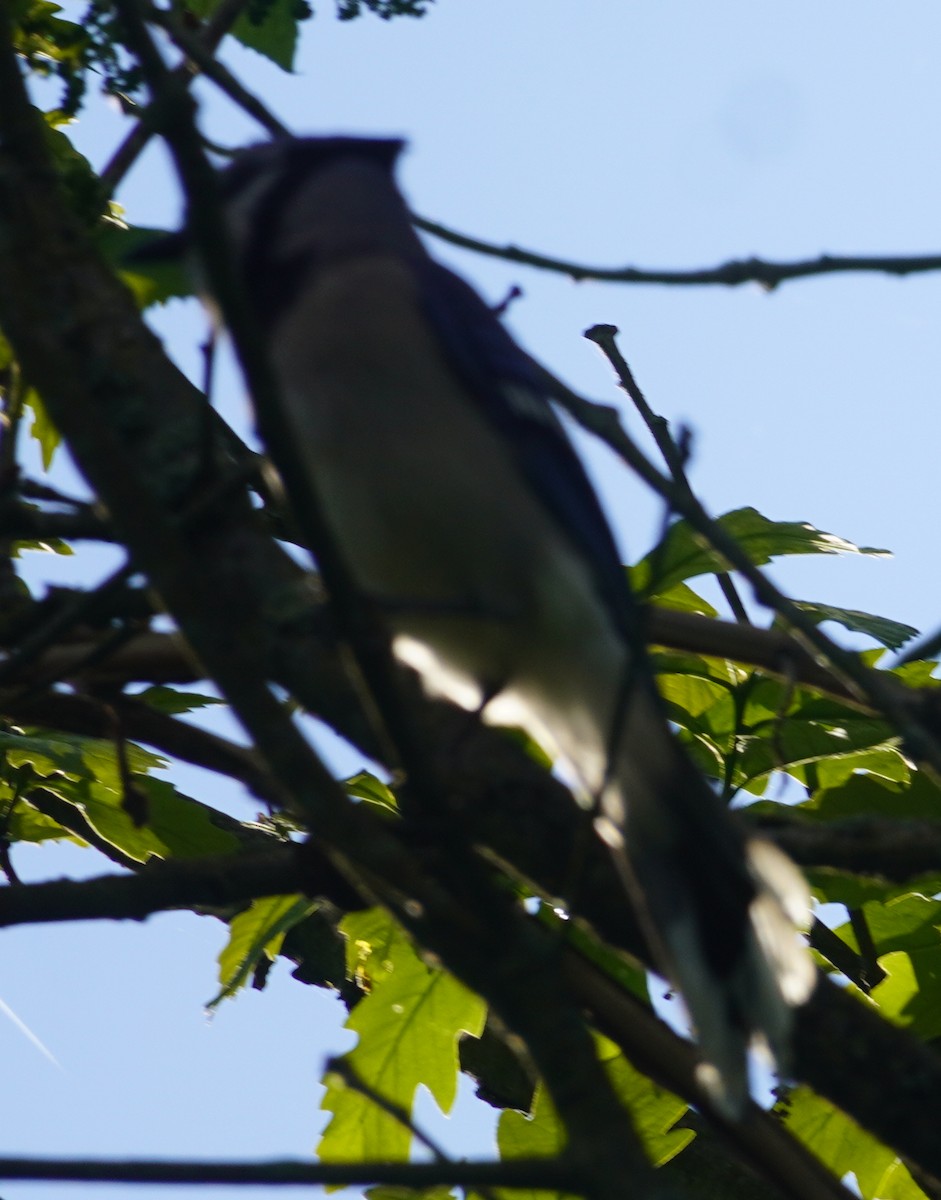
<point>408,1030</point>
<point>904,932</point>
<point>654,1113</point>
<point>388,1192</point>
<point>891,634</point>
<point>366,786</point>
<point>256,933</point>
<point>269,27</point>
<point>683,553</point>
<point>373,938</point>
<point>184,826</point>
<point>176,825</point>
<point>85,772</point>
<point>911,992</point>
<point>909,922</point>
<point>845,1148</point>
<point>42,429</point>
<point>822,732</point>
<point>46,546</point>
<point>50,46</point>
<point>27,824</point>
<point>172,701</point>
<point>679,598</point>
<point>136,253</point>
<point>863,795</point>
<point>73,755</point>
<point>539,1135</point>
<point>692,683</point>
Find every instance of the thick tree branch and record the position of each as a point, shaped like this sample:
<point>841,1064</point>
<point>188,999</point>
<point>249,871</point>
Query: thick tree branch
<point>891,848</point>
<point>657,1051</point>
<point>22,522</point>
<point>165,658</point>
<point>163,885</point>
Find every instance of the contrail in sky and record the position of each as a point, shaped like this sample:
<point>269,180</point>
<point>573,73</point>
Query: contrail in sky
<point>28,1033</point>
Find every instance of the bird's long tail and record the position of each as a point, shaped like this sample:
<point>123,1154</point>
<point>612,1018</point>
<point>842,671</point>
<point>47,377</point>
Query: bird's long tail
<point>722,909</point>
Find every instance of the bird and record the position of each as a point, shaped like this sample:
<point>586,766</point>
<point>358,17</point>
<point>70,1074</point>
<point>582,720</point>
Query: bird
<point>462,510</point>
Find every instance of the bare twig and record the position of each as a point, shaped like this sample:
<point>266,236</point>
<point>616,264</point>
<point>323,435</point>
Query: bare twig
<point>868,685</point>
<point>201,56</point>
<point>552,1175</point>
<point>223,18</point>
<point>738,271</point>
<point>605,338</point>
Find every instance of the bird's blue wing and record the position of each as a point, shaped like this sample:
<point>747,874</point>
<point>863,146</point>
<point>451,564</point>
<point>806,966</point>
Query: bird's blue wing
<point>512,396</point>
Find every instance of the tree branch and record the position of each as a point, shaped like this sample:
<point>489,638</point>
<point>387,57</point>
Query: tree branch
<point>730,274</point>
<point>891,848</point>
<point>158,887</point>
<point>873,687</point>
<point>226,13</point>
<point>550,1174</point>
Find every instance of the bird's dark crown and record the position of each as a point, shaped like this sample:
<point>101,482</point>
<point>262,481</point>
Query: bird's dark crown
<point>295,157</point>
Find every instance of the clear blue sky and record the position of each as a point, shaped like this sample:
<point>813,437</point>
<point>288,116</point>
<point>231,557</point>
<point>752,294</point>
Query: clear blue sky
<point>676,134</point>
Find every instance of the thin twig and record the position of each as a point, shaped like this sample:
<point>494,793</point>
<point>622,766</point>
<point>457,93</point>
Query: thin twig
<point>730,274</point>
<point>201,56</point>
<point>604,421</point>
<point>552,1175</point>
<point>29,647</point>
<point>873,972</point>
<point>226,14</point>
<point>605,338</point>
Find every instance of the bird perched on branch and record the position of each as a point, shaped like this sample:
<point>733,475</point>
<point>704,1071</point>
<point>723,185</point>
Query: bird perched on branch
<point>462,509</point>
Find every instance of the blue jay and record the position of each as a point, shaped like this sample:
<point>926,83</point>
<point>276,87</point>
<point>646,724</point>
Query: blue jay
<point>462,509</point>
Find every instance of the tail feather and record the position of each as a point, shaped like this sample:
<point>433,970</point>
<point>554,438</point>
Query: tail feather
<point>722,910</point>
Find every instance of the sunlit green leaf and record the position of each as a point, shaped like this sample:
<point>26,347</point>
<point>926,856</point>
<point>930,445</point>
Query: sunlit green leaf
<point>911,992</point>
<point>891,634</point>
<point>366,786</point>
<point>271,27</point>
<point>654,1113</point>
<point>27,824</point>
<point>679,598</point>
<point>255,933</point>
<point>683,553</point>
<point>42,429</point>
<point>408,1031</point>
<point>86,772</point>
<point>845,1148</point>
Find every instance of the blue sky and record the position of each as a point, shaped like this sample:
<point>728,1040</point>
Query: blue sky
<point>676,134</point>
